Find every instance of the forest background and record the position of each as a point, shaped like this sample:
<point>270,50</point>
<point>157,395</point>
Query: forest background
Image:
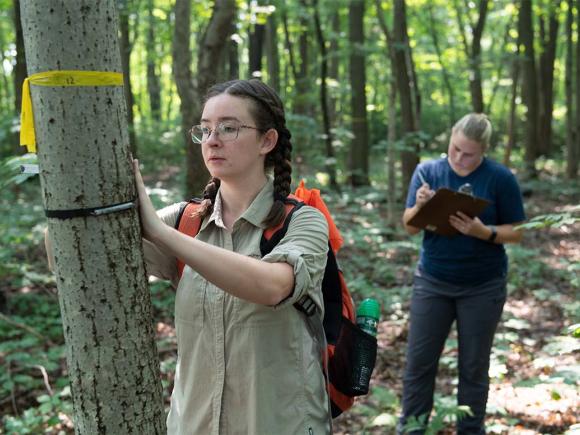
<point>371,88</point>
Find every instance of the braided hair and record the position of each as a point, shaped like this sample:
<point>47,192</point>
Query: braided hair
<point>268,112</point>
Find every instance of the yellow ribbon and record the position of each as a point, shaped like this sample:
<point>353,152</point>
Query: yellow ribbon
<point>57,78</point>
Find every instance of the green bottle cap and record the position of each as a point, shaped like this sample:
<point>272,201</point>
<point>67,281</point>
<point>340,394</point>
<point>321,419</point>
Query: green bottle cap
<point>369,308</point>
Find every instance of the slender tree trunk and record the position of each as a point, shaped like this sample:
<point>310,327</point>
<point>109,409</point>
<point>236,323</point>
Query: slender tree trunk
<point>213,43</point>
<point>573,170</point>
<point>513,105</point>
<point>446,79</point>
<point>83,153</point>
<point>153,84</point>
<point>289,46</point>
<point>407,90</point>
<point>302,96</point>
<point>529,86</point>
<point>272,53</point>
<point>330,159</point>
<point>571,128</point>
<point>126,49</point>
<point>6,100</point>
<point>391,153</point>
<point>256,47</point>
<point>20,70</point>
<point>334,61</point>
<point>233,57</point>
<point>473,52</point>
<point>546,79</point>
<point>359,151</point>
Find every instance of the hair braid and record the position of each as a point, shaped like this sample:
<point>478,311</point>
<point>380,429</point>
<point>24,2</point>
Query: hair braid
<point>208,201</point>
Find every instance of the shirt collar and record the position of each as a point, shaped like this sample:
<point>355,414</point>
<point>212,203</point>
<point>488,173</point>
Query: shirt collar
<point>254,214</point>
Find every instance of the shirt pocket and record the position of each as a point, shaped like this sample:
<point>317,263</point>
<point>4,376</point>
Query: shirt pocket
<point>190,298</point>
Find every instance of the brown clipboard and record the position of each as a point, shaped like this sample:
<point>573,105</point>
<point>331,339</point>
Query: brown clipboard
<point>434,215</point>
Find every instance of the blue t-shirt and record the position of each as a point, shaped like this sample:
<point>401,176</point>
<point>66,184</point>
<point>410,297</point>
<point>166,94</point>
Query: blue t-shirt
<point>463,259</point>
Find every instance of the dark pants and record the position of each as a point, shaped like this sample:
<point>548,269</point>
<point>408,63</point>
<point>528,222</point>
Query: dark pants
<point>434,307</point>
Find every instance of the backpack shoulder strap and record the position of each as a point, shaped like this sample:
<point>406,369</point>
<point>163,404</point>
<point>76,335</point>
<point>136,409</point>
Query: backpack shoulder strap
<point>272,236</point>
<point>188,224</point>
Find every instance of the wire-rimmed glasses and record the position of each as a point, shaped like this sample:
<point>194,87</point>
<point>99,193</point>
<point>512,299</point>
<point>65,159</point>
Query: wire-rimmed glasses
<point>225,131</point>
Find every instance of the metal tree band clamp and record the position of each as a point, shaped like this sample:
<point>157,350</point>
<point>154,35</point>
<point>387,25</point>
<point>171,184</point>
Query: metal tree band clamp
<point>57,78</point>
<point>95,211</point>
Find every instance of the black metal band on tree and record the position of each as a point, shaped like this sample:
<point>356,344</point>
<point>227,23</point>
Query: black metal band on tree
<point>94,211</point>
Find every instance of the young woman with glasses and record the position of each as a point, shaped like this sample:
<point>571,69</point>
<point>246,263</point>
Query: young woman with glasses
<point>247,361</point>
<point>460,278</point>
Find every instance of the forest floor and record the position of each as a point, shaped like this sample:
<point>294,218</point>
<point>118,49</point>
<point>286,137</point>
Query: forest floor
<point>535,371</point>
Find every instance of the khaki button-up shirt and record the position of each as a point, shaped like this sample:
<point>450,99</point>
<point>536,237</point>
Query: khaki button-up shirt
<point>244,368</point>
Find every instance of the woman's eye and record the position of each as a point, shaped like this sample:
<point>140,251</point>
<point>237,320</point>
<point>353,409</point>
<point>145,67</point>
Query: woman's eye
<point>206,130</point>
<point>228,128</point>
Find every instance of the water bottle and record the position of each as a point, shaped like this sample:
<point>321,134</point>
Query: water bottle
<point>367,316</point>
<point>365,349</point>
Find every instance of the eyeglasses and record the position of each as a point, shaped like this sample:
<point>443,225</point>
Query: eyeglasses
<point>226,131</point>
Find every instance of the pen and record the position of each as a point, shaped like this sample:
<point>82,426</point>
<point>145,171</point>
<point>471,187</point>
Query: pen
<point>421,178</point>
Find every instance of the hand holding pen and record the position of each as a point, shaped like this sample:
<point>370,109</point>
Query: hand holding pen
<point>424,193</point>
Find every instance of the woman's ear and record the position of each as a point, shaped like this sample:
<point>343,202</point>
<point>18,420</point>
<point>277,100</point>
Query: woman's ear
<point>270,139</point>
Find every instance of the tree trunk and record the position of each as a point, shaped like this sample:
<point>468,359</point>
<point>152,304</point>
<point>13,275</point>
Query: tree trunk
<point>83,153</point>
<point>272,53</point>
<point>334,62</point>
<point>19,72</point>
<point>330,159</point>
<point>546,79</point>
<point>473,52</point>
<point>391,154</point>
<point>513,105</point>
<point>233,57</point>
<point>529,86</point>
<point>407,90</point>
<point>255,47</point>
<point>446,79</point>
<point>126,49</point>
<point>302,96</point>
<point>213,43</point>
<point>571,128</point>
<point>573,170</point>
<point>153,84</point>
<point>359,149</point>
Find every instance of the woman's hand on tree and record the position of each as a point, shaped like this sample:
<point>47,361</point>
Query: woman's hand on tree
<point>150,222</point>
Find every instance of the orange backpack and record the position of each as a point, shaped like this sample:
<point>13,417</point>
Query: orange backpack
<point>350,352</point>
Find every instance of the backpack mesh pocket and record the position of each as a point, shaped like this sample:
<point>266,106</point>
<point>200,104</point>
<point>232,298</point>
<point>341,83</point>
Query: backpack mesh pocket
<point>352,364</point>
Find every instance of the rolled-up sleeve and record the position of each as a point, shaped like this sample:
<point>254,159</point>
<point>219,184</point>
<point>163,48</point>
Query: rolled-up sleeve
<point>305,248</point>
<point>158,262</point>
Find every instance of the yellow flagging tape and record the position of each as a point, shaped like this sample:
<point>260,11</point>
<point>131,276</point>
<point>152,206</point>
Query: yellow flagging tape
<point>57,78</point>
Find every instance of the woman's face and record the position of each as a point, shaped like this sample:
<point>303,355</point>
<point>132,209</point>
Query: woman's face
<point>464,155</point>
<point>231,158</point>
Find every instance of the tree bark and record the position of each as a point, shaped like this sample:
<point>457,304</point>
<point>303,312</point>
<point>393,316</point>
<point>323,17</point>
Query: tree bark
<point>330,158</point>
<point>473,52</point>
<point>256,48</point>
<point>408,92</point>
<point>573,170</point>
<point>213,43</point>
<point>571,128</point>
<point>272,52</point>
<point>359,150</point>
<point>446,79</point>
<point>126,47</point>
<point>529,86</point>
<point>153,83</point>
<point>546,79</point>
<point>83,153</point>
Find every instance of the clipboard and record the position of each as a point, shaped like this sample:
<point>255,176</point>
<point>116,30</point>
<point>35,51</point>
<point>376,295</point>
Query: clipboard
<point>434,215</point>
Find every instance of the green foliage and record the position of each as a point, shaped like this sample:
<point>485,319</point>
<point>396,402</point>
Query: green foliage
<point>553,220</point>
<point>445,414</point>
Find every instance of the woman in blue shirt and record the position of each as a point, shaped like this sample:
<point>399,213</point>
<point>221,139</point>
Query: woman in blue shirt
<point>460,278</point>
